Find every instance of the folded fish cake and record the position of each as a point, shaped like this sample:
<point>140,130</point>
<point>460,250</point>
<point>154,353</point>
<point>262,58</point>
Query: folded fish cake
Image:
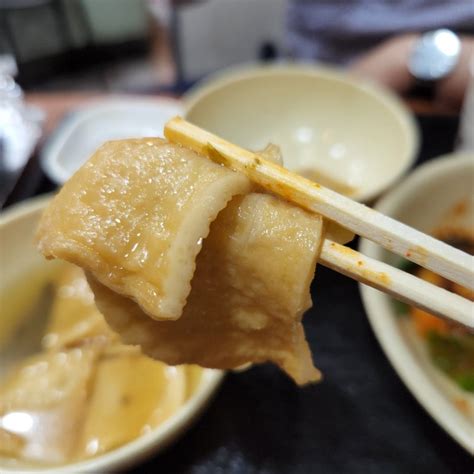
<point>135,215</point>
<point>249,291</point>
<point>74,318</point>
<point>42,405</point>
<point>131,395</point>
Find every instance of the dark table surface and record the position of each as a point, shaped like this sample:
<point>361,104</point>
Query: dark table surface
<point>359,419</point>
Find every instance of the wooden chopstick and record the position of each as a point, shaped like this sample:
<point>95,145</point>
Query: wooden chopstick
<point>397,283</point>
<point>399,238</point>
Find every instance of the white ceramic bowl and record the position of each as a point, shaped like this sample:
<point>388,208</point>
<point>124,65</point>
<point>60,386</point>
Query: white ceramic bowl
<point>18,256</point>
<point>421,201</point>
<point>84,130</point>
<point>352,132</point>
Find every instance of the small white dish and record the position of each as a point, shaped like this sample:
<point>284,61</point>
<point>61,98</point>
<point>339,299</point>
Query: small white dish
<point>346,133</point>
<point>421,201</point>
<point>18,256</point>
<point>81,133</point>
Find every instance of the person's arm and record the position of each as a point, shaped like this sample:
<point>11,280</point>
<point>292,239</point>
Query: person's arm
<point>387,64</point>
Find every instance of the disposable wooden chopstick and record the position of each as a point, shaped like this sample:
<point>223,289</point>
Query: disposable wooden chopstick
<point>377,274</point>
<point>399,238</point>
<point>403,286</point>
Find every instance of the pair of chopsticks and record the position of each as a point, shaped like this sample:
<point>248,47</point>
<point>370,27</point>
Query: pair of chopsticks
<point>426,251</point>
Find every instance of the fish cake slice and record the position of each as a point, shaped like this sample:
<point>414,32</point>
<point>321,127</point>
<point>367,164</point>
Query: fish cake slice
<point>74,317</point>
<point>131,395</point>
<point>135,215</point>
<point>249,292</point>
<point>42,404</point>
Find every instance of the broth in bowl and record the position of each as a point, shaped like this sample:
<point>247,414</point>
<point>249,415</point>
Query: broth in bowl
<point>82,392</point>
<point>27,284</point>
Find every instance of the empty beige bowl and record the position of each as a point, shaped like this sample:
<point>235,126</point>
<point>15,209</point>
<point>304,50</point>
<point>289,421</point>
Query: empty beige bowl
<point>342,132</point>
<point>20,260</point>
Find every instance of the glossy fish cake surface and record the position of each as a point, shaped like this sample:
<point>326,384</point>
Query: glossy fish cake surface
<point>187,259</point>
<point>135,215</point>
<point>249,291</point>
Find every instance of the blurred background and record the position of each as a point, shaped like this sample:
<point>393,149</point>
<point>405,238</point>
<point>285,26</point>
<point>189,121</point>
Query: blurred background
<point>151,45</point>
<point>58,55</point>
<point>75,73</point>
<point>135,45</point>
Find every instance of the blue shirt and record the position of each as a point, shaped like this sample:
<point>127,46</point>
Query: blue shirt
<point>337,31</point>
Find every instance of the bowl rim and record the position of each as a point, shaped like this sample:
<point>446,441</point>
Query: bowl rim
<point>381,314</point>
<point>145,445</point>
<point>221,79</point>
<point>55,143</point>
